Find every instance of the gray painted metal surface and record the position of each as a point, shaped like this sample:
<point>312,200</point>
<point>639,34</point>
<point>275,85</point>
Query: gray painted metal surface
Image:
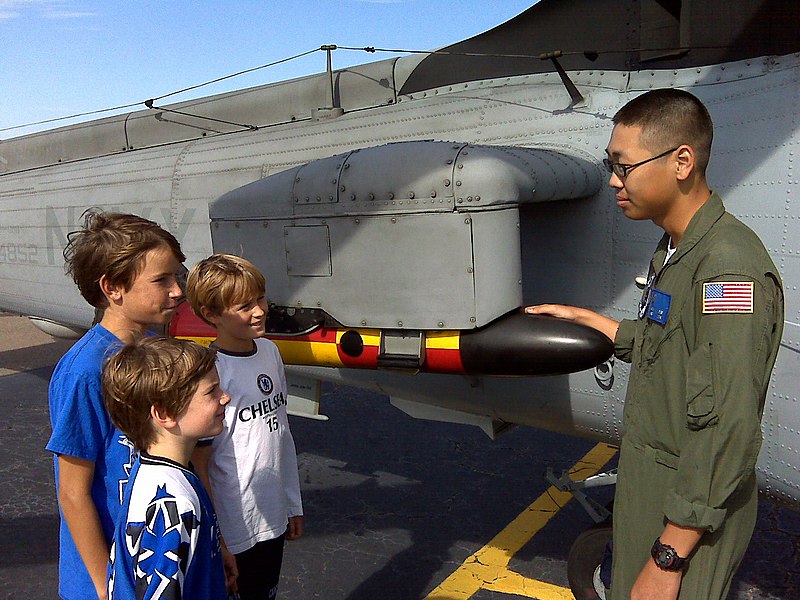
<point>413,235</point>
<point>574,249</point>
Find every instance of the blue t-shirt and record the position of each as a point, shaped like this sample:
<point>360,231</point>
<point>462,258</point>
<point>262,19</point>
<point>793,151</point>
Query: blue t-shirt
<point>82,428</point>
<point>166,543</point>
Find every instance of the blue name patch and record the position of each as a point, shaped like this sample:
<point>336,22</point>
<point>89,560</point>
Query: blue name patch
<point>658,309</point>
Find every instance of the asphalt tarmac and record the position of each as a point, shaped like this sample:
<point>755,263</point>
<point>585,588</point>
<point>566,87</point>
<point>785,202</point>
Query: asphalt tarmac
<point>396,509</point>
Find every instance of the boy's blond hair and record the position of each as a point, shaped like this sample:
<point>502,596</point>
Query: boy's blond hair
<point>221,281</point>
<point>152,371</point>
<point>113,245</point>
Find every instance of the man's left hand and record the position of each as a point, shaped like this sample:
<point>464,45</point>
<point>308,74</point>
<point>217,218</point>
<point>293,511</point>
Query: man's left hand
<point>656,584</point>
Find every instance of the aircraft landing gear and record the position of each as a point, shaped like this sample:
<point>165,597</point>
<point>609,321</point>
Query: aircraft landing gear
<point>588,558</point>
<point>586,561</point>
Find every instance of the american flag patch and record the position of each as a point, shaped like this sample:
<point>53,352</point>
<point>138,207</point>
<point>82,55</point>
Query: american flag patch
<point>728,297</point>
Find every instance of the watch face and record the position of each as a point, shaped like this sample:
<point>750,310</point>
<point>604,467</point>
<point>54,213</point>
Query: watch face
<point>664,558</point>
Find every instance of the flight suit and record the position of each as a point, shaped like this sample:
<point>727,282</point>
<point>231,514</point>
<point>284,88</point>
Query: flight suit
<point>699,378</point>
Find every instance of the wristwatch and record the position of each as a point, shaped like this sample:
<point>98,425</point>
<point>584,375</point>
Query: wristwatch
<point>666,557</point>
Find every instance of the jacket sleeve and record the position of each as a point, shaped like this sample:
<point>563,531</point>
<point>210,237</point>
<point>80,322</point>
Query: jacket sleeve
<point>728,370</point>
<point>166,547</point>
<point>623,342</point>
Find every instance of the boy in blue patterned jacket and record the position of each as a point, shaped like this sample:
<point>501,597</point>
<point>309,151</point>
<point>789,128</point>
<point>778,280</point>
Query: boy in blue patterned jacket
<point>164,394</point>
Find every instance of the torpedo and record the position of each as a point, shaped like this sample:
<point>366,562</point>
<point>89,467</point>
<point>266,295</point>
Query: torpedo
<point>516,344</point>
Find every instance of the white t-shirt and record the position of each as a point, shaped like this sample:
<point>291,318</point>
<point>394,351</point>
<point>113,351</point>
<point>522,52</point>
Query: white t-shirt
<point>670,251</point>
<point>253,464</point>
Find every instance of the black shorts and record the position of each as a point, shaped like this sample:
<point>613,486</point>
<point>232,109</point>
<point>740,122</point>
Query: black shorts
<point>260,569</point>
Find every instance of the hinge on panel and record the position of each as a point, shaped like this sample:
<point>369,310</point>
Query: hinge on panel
<point>402,350</point>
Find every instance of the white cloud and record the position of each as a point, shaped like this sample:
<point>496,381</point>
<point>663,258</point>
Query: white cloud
<point>49,9</point>
<point>63,14</point>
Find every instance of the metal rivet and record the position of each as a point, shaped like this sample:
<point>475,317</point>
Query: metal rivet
<point>446,183</point>
<point>391,196</point>
<point>399,323</point>
<point>433,194</point>
<point>441,323</point>
<point>410,194</point>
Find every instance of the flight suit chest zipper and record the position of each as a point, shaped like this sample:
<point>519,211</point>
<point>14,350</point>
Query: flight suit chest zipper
<point>654,335</point>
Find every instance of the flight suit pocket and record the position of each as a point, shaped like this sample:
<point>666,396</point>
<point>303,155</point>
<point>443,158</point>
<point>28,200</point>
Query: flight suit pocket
<point>654,338</point>
<point>700,390</point>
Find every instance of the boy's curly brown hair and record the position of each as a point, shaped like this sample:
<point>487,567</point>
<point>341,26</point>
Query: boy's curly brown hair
<point>152,371</point>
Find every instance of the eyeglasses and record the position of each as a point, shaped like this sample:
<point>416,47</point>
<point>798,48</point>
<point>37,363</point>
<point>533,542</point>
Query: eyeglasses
<point>621,170</point>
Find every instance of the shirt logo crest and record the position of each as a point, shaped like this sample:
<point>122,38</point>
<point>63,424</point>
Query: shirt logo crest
<point>264,384</point>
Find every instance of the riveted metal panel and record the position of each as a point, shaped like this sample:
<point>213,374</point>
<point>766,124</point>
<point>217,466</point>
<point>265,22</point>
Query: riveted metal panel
<point>416,177</point>
<point>498,269</point>
<point>487,175</point>
<point>402,171</point>
<point>427,271</point>
<point>268,198</point>
<point>317,182</point>
<point>308,251</point>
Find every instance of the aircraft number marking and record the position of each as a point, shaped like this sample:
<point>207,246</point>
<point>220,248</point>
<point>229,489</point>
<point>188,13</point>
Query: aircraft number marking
<point>24,254</point>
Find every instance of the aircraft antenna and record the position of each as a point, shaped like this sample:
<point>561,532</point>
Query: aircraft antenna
<point>333,109</point>
<point>149,104</point>
<point>572,90</point>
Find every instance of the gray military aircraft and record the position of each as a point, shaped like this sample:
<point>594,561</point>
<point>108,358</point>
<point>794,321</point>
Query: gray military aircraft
<point>404,210</point>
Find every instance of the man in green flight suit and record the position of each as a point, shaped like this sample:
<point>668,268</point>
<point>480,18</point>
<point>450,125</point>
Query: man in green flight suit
<point>701,353</point>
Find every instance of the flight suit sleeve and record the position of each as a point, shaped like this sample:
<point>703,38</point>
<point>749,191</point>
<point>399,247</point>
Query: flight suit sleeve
<point>623,342</point>
<point>730,356</point>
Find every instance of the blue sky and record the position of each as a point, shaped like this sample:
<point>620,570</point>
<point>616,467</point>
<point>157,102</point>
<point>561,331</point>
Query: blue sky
<point>63,57</point>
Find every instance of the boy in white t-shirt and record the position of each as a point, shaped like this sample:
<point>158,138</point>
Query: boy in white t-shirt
<point>251,467</point>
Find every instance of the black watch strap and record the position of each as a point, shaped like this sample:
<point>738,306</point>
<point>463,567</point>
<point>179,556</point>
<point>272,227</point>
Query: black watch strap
<point>666,557</point>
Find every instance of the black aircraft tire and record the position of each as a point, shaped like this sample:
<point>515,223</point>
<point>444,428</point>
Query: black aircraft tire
<point>584,557</point>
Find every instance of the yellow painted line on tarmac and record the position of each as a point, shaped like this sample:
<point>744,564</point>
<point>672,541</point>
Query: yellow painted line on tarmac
<point>487,568</point>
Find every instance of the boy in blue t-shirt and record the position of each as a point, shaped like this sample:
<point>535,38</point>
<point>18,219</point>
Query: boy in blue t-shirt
<point>127,266</point>
<point>164,394</point>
